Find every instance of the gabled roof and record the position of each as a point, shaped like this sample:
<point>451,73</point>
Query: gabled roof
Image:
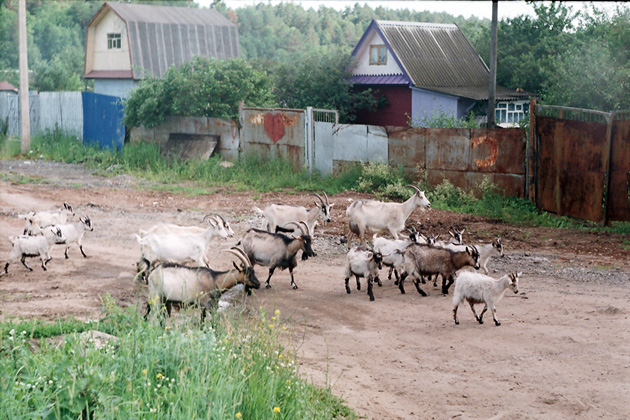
<point>434,56</point>
<point>4,86</point>
<point>162,36</point>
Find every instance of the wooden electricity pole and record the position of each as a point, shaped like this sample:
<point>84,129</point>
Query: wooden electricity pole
<point>492,84</point>
<point>25,123</point>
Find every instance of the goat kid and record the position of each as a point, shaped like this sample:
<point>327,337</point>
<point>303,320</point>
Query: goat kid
<point>34,246</point>
<point>73,232</point>
<point>377,216</point>
<point>202,286</point>
<point>276,250</point>
<point>363,262</point>
<point>37,220</point>
<point>479,288</point>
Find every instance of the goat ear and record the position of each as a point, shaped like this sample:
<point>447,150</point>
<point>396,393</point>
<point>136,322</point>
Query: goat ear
<point>370,255</point>
<point>451,233</point>
<point>468,251</point>
<point>237,267</point>
<point>330,205</point>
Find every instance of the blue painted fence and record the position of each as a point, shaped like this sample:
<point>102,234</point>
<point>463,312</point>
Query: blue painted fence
<point>103,121</point>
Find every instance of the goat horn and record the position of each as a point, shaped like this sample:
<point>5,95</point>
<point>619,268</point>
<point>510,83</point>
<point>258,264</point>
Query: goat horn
<point>318,196</point>
<point>326,197</point>
<point>240,254</point>
<point>213,215</point>
<point>296,224</point>
<point>414,187</point>
<point>221,217</point>
<point>306,227</point>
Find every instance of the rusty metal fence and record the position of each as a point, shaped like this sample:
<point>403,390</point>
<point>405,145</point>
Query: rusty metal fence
<point>579,162</point>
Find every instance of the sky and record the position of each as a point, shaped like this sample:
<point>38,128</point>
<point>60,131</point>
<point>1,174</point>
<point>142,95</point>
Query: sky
<point>480,9</point>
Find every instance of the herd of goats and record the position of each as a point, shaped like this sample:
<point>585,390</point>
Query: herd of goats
<point>175,266</point>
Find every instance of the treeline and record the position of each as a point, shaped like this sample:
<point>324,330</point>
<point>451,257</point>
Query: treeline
<point>564,56</point>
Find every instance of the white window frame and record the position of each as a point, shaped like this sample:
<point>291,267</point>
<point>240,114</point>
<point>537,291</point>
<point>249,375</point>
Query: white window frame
<point>114,41</point>
<point>511,112</point>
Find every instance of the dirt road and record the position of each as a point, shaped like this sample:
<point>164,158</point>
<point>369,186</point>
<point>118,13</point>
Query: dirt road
<point>561,352</point>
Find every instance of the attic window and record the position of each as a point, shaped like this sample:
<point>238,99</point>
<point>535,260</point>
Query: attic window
<point>378,55</point>
<point>113,41</point>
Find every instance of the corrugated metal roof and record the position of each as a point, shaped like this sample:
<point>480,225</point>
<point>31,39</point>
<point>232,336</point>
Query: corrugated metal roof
<point>381,79</point>
<point>432,54</point>
<point>162,36</point>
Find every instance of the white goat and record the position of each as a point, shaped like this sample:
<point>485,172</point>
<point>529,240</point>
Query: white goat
<point>363,262</point>
<point>479,288</point>
<point>41,219</point>
<point>174,283</point>
<point>180,248</point>
<point>34,246</point>
<point>174,229</point>
<point>279,216</point>
<point>73,232</point>
<point>371,215</point>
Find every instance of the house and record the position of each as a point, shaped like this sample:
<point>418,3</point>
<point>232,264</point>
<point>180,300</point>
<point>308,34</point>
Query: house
<point>7,88</point>
<point>126,42</point>
<point>424,69</point>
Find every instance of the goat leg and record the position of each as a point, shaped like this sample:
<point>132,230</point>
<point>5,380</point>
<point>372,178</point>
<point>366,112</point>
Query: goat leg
<point>6,268</point>
<point>417,284</point>
<point>295,286</point>
<point>445,285</point>
<point>146,315</point>
<point>347,286</point>
<point>23,260</point>
<point>66,252</point>
<point>370,282</point>
<point>378,281</point>
<point>389,275</point>
<point>358,282</point>
<point>267,285</point>
<point>494,316</point>
<point>82,252</point>
<point>401,286</point>
<point>455,314</point>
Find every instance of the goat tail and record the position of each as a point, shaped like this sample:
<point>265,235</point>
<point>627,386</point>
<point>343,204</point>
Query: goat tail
<point>257,210</point>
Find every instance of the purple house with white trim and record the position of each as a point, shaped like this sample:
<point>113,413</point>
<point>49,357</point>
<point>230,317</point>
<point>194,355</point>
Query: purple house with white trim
<point>423,69</point>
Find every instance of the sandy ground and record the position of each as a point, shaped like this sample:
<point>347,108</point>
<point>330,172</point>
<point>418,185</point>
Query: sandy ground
<point>561,352</point>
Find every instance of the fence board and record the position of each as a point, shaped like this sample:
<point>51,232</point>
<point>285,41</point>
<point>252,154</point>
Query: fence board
<point>618,206</point>
<point>571,167</point>
<point>103,125</point>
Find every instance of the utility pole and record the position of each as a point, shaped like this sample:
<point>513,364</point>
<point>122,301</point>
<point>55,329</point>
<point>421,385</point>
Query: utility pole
<point>25,123</point>
<point>492,84</point>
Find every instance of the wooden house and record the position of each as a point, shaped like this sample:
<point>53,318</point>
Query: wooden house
<point>126,42</point>
<point>424,69</point>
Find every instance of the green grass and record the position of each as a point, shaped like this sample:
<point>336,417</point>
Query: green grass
<point>237,368</point>
<point>252,172</point>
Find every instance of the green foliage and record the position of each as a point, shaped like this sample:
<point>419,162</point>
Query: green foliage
<point>591,72</point>
<point>179,371</point>
<point>440,119</point>
<point>322,80</point>
<point>201,88</point>
<point>384,180</point>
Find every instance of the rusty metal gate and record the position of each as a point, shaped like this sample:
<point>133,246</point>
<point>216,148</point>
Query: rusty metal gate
<point>579,162</point>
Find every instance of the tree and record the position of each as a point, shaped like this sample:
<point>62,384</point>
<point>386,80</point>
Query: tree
<point>322,80</point>
<point>201,88</point>
<point>594,72</point>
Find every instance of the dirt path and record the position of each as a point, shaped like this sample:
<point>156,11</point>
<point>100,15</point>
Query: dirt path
<point>561,352</point>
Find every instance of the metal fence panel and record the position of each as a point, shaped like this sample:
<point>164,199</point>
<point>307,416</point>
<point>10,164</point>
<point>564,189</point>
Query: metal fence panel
<point>618,206</point>
<point>274,133</point>
<point>103,123</point>
<point>571,167</point>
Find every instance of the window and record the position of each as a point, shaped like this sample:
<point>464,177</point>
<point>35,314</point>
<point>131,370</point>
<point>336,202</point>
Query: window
<point>113,42</point>
<point>511,113</point>
<point>378,54</point>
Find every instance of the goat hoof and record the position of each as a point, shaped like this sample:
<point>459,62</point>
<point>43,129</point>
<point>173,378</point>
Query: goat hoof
<point>371,298</point>
<point>295,287</point>
<point>480,321</point>
<point>497,323</point>
<point>268,286</point>
<point>456,322</point>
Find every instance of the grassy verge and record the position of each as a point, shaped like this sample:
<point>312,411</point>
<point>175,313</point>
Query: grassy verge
<point>255,173</point>
<point>237,369</point>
